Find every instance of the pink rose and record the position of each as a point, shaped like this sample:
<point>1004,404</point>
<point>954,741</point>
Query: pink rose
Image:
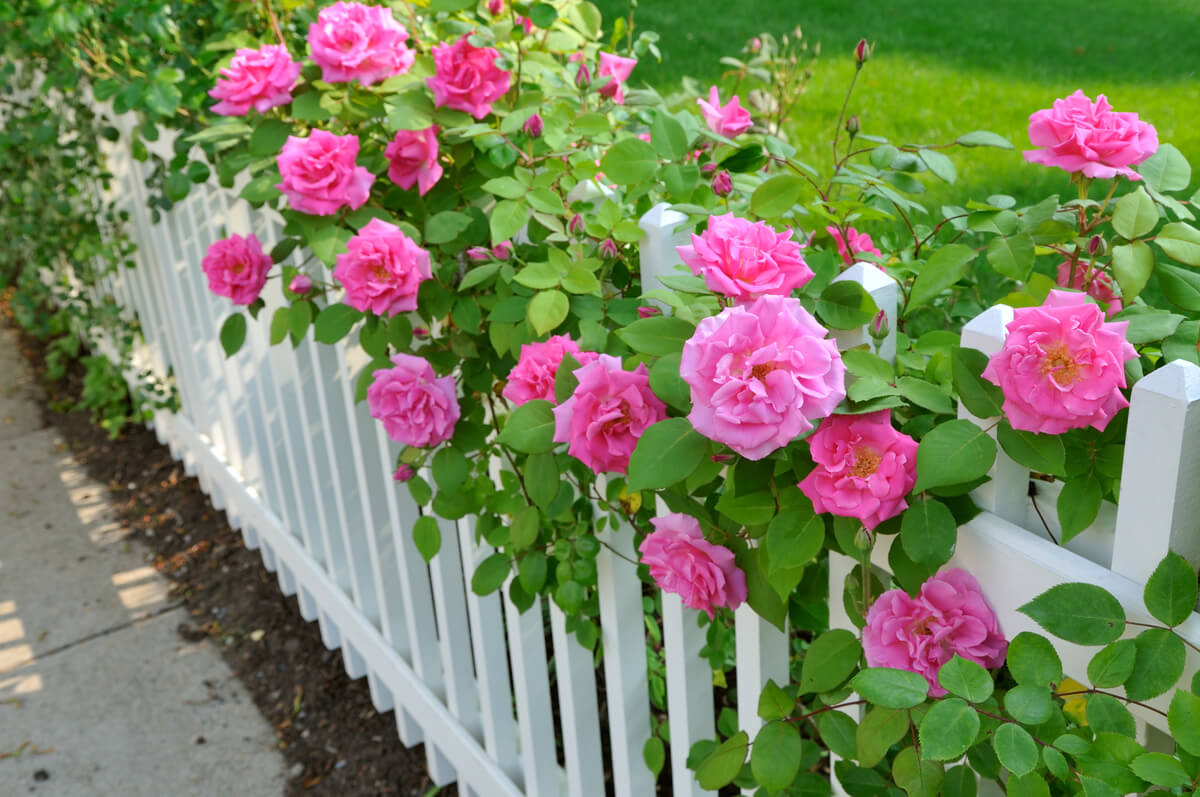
<point>619,69</point>
<point>760,374</point>
<point>681,561</point>
<point>351,41</point>
<point>864,469</point>
<point>412,158</point>
<point>236,268</point>
<point>466,78</point>
<point>744,260</point>
<point>1090,137</point>
<point>1093,282</point>
<point>382,269</point>
<point>854,243</point>
<point>536,369</point>
<point>607,413</point>
<point>1062,366</point>
<point>320,176</point>
<point>415,407</point>
<point>729,120</point>
<point>260,79</point>
<point>948,617</point>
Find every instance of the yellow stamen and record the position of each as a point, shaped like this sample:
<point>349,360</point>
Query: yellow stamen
<point>1059,364</point>
<point>866,462</point>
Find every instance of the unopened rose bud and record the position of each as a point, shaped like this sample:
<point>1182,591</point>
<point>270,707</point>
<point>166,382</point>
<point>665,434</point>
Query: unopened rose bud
<point>722,184</point>
<point>494,7</point>
<point>755,44</point>
<point>583,77</point>
<point>576,224</point>
<point>608,248</point>
<point>502,250</point>
<point>879,326</point>
<point>300,284</point>
<point>479,253</point>
<point>852,125</point>
<point>721,457</point>
<point>708,169</point>
<point>862,52</point>
<point>1097,246</point>
<point>648,312</point>
<point>404,473</point>
<point>533,126</point>
<point>420,332</point>
<point>863,540</point>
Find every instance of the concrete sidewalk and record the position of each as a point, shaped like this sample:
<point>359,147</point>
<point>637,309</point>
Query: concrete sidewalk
<point>98,693</point>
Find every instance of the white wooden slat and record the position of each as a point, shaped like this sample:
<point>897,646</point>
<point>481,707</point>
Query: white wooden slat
<point>839,567</point>
<point>623,636</point>
<point>579,714</point>
<point>531,685</point>
<point>454,631</point>
<point>763,653</point>
<point>689,690</point>
<point>657,254</point>
<point>886,293</point>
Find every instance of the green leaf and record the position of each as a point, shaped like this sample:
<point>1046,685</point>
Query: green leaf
<point>1135,214</point>
<point>666,453</point>
<point>1078,505</point>
<point>939,164</point>
<point>1160,769</point>
<point>279,325</point>
<point>724,763</point>
<point>450,469</point>
<point>543,15</point>
<point>1113,664</point>
<point>668,137</point>
<point>1012,257</point>
<point>300,317</point>
<point>1132,265</point>
<point>531,571</point>
<point>1183,718</point>
<point>328,242</point>
<point>829,661</point>
<point>948,728</point>
<point>629,161</point>
<point>657,335</point>
<point>654,753</point>
<point>925,394</point>
<point>668,385</point>
<point>542,478</point>
<point>1041,453</point>
<point>928,532</point>
<point>880,729</point>
<point>890,688</point>
<point>1166,169</point>
<point>1149,326</point>
<point>1107,714</point>
<point>261,189</point>
<point>1181,241</point>
<point>427,537</point>
<point>547,310</point>
<point>1158,666</point>
<point>1015,748</point>
<point>477,275</point>
<point>794,537</point>
<point>918,777</point>
<point>960,781</point>
<point>864,364</point>
<point>176,186</point>
<point>1031,784</point>
<point>1081,613</point>
<point>760,595</point>
<point>489,576</point>
<point>966,679</point>
<point>308,108</point>
<point>746,159</point>
<point>846,305</point>
<point>838,733</point>
<point>525,527</point>
<point>530,428</point>
<point>1180,285</point>
<point>952,453</point>
<point>233,334</point>
<point>983,138</point>
<point>1171,591</point>
<point>774,703</point>
<point>335,322</point>
<point>775,757</point>
<point>1029,704</point>
<point>268,138</point>
<point>444,227</point>
<point>505,187</point>
<point>858,781</point>
<point>981,398</point>
<point>508,217</point>
<point>777,195</point>
<point>161,98</point>
<point>947,266</point>
<point>1033,660</point>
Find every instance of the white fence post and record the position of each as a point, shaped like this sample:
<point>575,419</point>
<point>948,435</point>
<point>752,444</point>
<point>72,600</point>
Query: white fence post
<point>689,690</point>
<point>886,293</point>
<point>657,248</point>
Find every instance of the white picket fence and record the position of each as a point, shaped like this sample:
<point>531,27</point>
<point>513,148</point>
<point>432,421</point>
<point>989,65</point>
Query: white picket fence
<point>277,441</point>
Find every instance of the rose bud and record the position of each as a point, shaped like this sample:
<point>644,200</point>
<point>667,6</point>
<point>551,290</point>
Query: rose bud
<point>608,248</point>
<point>478,253</point>
<point>494,7</point>
<point>1097,246</point>
<point>722,184</point>
<point>502,250</point>
<point>648,312</point>
<point>721,457</point>
<point>420,332</point>
<point>576,224</point>
<point>300,284</point>
<point>583,77</point>
<point>708,168</point>
<point>879,325</point>
<point>755,44</point>
<point>852,125</point>
<point>403,473</point>
<point>533,126</point>
<point>862,52</point>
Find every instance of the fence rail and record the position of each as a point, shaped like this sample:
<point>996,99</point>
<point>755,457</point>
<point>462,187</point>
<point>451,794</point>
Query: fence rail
<point>276,439</point>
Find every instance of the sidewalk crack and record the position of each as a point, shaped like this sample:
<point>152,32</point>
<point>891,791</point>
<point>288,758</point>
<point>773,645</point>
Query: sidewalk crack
<point>94,635</point>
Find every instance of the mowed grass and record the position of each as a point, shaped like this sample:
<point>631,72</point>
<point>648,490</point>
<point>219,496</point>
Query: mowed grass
<point>942,69</point>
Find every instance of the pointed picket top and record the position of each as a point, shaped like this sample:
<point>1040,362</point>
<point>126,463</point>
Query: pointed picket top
<point>886,293</point>
<point>986,332</point>
<point>658,255</point>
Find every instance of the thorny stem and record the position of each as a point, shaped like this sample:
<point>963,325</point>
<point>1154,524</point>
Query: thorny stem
<point>274,21</point>
<point>505,451</point>
<point>837,130</point>
<point>1033,498</point>
<point>936,229</point>
<point>1103,205</point>
<point>1094,691</point>
<point>823,709</point>
<point>1172,630</point>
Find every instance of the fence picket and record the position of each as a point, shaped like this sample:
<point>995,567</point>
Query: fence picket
<point>689,690</point>
<point>531,685</point>
<point>580,716</point>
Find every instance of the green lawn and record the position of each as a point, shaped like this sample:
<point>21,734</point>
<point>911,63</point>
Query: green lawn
<point>944,68</point>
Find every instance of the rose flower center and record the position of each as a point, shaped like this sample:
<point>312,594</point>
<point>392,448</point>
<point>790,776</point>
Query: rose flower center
<point>381,273</point>
<point>761,370</point>
<point>866,462</point>
<point>1059,364</point>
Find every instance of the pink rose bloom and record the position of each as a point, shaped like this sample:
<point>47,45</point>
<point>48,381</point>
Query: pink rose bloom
<point>351,41</point>
<point>1095,283</point>
<point>729,120</point>
<point>320,176</point>
<point>466,78</point>
<point>412,158</point>
<point>1062,366</point>
<point>607,413</point>
<point>744,259</point>
<point>760,374</point>
<point>415,407</point>
<point>1090,137</point>
<point>681,561</point>
<point>864,470</point>
<point>382,269</point>
<point>619,69</point>
<point>260,79</point>
<point>854,243</point>
<point>236,268</point>
<point>948,617</point>
<point>536,369</point>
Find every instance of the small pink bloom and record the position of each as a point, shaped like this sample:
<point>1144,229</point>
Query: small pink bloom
<point>865,468</point>
<point>1062,366</point>
<point>608,248</point>
<point>495,7</point>
<point>948,617</point>
<point>879,325</point>
<point>525,22</point>
<point>536,369</point>
<point>533,126</point>
<point>320,176</point>
<point>260,79</point>
<point>607,413</point>
<point>413,158</point>
<point>708,168</point>
<point>1090,137</point>
<point>619,69</point>
<point>479,253</point>
<point>755,44</point>
<point>722,183</point>
<point>583,77</point>
<point>502,250</point>
<point>236,268</point>
<point>854,243</point>
<point>729,120</point>
<point>466,78</point>
<point>648,312</point>
<point>300,284</point>
<point>414,405</point>
<point>760,374</point>
<point>744,260</point>
<point>403,473</point>
<point>1095,283</point>
<point>862,52</point>
<point>382,269</point>
<point>420,332</point>
<point>352,41</point>
<point>682,562</point>
<point>576,224</point>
